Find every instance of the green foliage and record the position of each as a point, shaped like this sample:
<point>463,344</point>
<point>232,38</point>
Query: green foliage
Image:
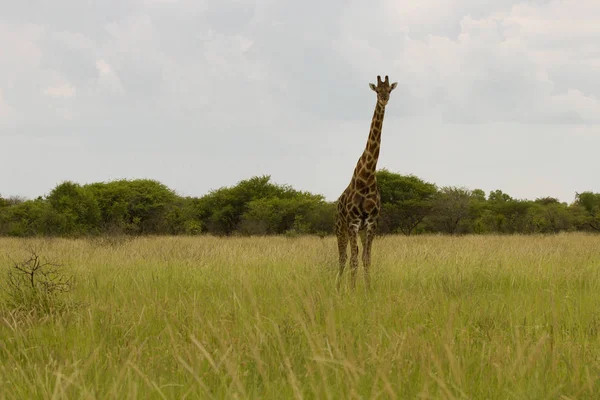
<point>302,215</point>
<point>133,206</point>
<point>589,205</point>
<point>479,213</point>
<point>498,197</point>
<point>257,206</point>
<point>451,209</point>
<point>181,218</point>
<point>28,218</point>
<point>321,217</point>
<point>11,201</point>
<point>406,201</point>
<point>512,215</point>
<point>73,211</point>
<point>551,216</point>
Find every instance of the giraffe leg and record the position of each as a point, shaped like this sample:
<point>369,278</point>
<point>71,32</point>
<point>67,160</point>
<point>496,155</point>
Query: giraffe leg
<point>366,256</point>
<point>353,236</point>
<point>342,239</point>
<point>363,239</point>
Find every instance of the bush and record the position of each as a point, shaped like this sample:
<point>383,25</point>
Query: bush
<point>36,285</point>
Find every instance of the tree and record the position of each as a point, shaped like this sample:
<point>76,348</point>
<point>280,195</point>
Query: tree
<point>133,206</point>
<point>514,216</point>
<point>303,215</point>
<point>259,206</point>
<point>269,216</point>
<point>478,211</point>
<point>451,208</point>
<point>497,197</point>
<point>180,217</point>
<point>508,215</point>
<point>406,201</point>
<point>222,209</point>
<point>24,219</point>
<point>73,210</point>
<point>549,215</point>
<point>589,203</point>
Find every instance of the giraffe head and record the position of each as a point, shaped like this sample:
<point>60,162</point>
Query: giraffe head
<point>383,89</point>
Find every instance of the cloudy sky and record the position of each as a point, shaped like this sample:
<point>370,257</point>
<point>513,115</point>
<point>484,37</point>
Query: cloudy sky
<point>200,94</point>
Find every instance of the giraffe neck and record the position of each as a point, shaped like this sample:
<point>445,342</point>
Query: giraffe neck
<point>364,173</point>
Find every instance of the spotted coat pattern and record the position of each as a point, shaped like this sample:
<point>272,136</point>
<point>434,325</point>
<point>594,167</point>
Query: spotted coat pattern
<point>359,205</point>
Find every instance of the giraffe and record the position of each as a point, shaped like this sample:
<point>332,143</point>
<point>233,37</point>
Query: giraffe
<point>359,205</point>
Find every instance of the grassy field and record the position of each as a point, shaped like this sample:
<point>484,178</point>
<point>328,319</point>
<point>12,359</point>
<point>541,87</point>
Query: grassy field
<point>452,318</point>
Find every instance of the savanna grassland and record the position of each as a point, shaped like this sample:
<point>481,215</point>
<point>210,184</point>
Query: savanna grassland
<point>482,317</point>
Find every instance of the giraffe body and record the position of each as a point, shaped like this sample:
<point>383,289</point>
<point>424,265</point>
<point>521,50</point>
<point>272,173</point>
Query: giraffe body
<point>359,205</point>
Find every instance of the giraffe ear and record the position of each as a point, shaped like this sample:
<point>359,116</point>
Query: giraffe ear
<point>372,86</point>
<point>393,86</point>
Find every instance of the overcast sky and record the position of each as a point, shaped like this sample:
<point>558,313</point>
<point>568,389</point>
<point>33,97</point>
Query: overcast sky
<point>200,94</point>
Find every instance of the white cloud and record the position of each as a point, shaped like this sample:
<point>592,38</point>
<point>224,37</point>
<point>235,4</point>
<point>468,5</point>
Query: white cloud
<point>73,40</point>
<point>108,80</point>
<point>103,67</point>
<point>498,68</point>
<point>63,91</point>
<point>21,52</point>
<point>576,105</point>
<point>5,109</point>
<point>263,86</point>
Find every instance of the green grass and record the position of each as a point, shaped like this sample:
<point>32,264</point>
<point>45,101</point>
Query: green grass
<point>482,317</point>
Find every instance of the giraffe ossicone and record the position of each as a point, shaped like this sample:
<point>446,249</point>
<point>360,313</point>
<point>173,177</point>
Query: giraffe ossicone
<point>359,205</point>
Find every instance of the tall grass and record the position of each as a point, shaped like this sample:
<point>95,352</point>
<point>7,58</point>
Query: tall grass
<point>483,317</point>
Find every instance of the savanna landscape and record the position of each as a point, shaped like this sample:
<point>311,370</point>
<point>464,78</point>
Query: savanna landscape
<point>125,289</point>
<point>486,317</point>
<point>149,251</point>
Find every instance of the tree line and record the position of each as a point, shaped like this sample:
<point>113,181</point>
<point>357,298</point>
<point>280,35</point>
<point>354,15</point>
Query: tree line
<point>257,206</point>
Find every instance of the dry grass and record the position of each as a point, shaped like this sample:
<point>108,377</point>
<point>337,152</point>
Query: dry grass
<point>471,317</point>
